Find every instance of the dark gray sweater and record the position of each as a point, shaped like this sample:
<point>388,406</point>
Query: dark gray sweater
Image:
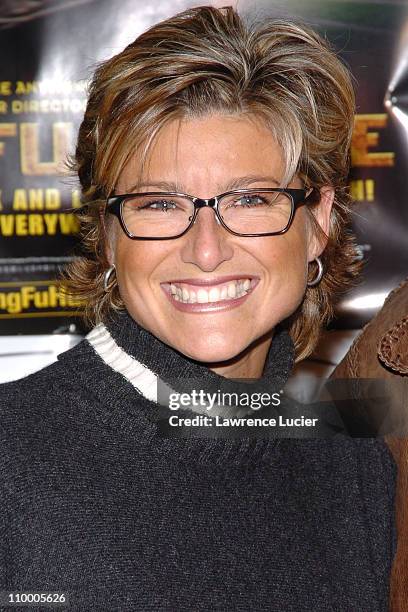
<point>94,504</point>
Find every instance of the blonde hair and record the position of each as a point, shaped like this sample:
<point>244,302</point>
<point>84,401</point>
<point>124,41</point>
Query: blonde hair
<point>207,60</point>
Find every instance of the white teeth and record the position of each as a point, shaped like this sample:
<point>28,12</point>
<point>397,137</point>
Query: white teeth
<point>232,290</point>
<point>202,296</point>
<point>214,295</point>
<point>218,293</point>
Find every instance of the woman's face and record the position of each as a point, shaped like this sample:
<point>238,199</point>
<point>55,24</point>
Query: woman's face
<point>204,157</point>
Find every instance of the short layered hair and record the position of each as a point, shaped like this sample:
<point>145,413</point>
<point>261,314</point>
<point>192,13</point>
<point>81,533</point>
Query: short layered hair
<point>206,61</point>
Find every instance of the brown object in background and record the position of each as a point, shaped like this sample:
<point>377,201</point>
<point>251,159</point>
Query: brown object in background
<point>381,351</point>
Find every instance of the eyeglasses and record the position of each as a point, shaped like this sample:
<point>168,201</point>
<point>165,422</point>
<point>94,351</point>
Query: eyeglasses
<point>160,215</point>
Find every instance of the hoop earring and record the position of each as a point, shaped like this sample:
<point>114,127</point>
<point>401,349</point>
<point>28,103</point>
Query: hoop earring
<point>107,285</point>
<point>319,275</point>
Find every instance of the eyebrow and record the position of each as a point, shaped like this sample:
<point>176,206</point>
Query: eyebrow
<point>235,183</point>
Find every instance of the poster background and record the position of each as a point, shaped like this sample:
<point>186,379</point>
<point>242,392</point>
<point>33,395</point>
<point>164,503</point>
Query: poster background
<point>48,50</point>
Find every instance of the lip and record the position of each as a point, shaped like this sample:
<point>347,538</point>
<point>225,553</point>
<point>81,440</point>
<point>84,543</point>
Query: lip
<point>209,307</point>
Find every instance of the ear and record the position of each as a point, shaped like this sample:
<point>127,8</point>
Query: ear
<point>321,211</point>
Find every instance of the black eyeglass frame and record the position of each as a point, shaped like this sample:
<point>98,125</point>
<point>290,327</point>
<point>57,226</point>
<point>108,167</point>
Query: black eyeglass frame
<point>298,197</point>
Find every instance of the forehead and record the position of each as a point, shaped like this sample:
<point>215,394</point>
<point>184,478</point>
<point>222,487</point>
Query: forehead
<point>206,153</point>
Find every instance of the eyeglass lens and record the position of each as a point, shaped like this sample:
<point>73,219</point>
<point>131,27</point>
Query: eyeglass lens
<point>244,213</point>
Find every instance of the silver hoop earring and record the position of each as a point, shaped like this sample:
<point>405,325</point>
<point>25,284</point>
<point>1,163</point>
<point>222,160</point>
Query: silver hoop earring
<point>107,284</point>
<point>319,275</point>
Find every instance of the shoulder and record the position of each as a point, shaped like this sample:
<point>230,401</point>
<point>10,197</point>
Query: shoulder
<point>381,350</point>
<point>38,410</point>
<point>38,388</point>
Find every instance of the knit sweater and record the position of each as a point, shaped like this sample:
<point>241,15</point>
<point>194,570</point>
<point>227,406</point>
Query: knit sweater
<point>96,505</point>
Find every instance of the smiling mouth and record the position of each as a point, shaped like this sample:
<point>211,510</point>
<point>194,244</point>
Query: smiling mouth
<point>190,293</point>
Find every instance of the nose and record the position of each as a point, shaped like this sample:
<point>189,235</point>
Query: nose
<point>207,244</point>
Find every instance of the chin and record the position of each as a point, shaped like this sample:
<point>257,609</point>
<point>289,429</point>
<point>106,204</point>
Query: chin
<point>211,351</point>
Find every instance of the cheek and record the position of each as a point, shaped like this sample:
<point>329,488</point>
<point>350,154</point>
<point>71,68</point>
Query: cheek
<point>285,261</point>
<point>137,265</point>
<point>132,266</point>
<point>133,272</point>
<point>287,255</point>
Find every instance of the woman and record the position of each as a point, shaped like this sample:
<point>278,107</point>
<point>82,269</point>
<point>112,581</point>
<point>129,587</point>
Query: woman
<point>254,122</point>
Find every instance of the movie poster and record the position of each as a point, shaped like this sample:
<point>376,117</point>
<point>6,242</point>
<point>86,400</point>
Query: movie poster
<point>48,50</point>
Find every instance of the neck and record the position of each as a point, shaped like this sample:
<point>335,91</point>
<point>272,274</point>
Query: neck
<point>249,364</point>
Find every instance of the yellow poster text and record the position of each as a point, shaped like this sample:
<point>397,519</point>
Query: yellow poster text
<point>362,190</point>
<point>364,139</point>
<point>46,106</point>
<point>35,224</point>
<point>29,140</point>
<point>30,199</point>
<point>36,199</point>
<point>31,297</point>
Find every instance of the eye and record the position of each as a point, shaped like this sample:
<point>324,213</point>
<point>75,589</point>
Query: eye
<point>163,205</point>
<point>250,200</point>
